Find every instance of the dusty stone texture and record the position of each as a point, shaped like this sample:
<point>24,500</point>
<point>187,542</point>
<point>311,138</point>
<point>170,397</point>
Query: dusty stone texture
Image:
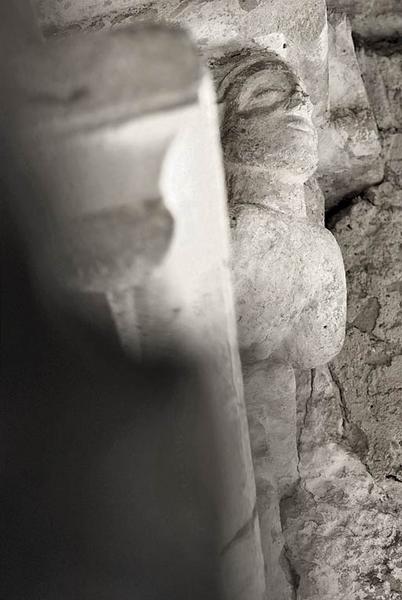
<point>271,410</point>
<point>371,239</point>
<point>343,531</point>
<point>300,35</point>
<point>349,145</point>
<point>370,234</point>
<point>270,150</point>
<point>372,19</point>
<point>70,15</point>
<point>287,271</point>
<point>342,522</point>
<point>382,75</point>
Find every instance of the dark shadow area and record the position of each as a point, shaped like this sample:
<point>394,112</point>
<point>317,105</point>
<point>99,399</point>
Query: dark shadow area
<point>107,466</point>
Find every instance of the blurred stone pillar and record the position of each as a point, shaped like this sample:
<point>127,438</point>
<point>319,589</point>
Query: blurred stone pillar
<point>119,176</point>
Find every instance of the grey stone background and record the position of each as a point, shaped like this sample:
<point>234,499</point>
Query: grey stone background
<point>343,522</point>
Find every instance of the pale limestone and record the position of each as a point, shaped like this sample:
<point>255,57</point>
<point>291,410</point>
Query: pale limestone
<point>270,149</point>
<point>270,389</point>
<point>288,272</point>
<point>349,145</point>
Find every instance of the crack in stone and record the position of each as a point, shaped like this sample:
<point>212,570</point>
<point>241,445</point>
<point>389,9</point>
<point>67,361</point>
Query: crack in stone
<point>352,434</point>
<point>394,478</point>
<point>344,408</point>
<point>309,399</point>
<point>303,424</point>
<point>292,575</point>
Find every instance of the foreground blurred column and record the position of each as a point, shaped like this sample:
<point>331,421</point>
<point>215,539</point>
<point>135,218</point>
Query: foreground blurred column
<point>119,192</point>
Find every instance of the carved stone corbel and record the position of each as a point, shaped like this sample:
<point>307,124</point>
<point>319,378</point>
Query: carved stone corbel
<point>288,272</point>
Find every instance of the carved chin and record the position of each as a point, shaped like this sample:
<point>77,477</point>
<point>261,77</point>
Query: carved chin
<point>294,156</point>
<point>295,166</point>
<point>290,154</point>
<point>293,163</point>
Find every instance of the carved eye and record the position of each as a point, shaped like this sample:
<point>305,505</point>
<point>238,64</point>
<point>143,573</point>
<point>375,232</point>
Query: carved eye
<point>264,90</point>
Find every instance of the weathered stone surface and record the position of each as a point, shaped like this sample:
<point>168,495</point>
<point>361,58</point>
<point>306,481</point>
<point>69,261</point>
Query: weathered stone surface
<point>372,19</point>
<point>75,15</point>
<point>342,522</point>
<point>299,35</point>
<point>372,382</point>
<point>382,74</point>
<point>270,150</point>
<point>271,409</point>
<point>349,155</point>
<point>288,272</point>
<point>343,530</point>
<point>349,146</point>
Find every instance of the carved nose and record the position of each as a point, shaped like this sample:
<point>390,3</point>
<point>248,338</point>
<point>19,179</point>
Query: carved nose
<point>300,100</point>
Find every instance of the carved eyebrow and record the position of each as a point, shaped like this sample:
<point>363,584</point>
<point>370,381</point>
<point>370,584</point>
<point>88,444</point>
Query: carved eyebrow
<point>261,92</point>
<point>228,58</point>
<point>238,75</point>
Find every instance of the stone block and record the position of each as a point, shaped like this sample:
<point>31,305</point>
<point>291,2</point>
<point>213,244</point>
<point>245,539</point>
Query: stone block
<point>382,75</point>
<point>349,146</point>
<point>372,20</point>
<point>270,391</point>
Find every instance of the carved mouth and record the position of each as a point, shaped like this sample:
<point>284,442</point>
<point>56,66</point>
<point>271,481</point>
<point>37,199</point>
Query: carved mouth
<point>302,124</point>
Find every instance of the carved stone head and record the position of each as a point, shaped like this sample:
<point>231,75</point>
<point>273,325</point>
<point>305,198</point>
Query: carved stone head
<point>267,121</point>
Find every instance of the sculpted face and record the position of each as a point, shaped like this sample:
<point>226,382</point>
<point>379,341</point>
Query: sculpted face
<point>267,120</point>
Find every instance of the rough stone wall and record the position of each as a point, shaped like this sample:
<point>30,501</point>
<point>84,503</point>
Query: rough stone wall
<point>343,523</point>
<point>372,19</point>
<point>341,527</point>
<point>349,146</point>
<point>374,270</point>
